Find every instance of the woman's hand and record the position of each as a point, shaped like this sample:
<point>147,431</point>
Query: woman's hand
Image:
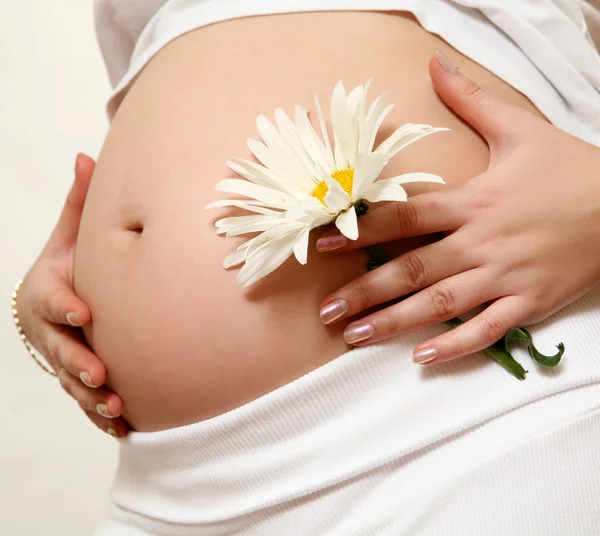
<point>524,235</point>
<point>51,315</point>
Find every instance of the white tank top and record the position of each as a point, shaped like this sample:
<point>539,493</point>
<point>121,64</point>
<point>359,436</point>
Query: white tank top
<point>542,48</point>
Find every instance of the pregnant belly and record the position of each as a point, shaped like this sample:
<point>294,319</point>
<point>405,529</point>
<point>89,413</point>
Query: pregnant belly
<point>181,340</point>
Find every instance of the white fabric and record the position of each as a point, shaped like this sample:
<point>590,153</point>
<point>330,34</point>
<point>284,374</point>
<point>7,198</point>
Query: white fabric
<point>540,47</point>
<point>371,444</point>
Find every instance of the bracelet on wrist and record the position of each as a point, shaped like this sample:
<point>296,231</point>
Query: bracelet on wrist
<point>26,342</point>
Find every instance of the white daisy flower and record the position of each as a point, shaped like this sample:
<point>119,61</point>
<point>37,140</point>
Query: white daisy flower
<point>302,183</point>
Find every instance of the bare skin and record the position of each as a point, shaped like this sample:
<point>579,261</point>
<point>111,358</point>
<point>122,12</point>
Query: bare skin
<point>180,340</point>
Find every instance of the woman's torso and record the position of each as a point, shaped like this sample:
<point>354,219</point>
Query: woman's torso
<point>181,340</point>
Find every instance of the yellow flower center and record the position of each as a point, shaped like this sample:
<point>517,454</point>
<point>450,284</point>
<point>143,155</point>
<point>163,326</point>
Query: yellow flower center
<point>345,177</point>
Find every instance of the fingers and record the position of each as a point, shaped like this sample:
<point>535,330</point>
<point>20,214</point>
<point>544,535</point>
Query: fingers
<point>491,116</point>
<point>61,306</point>
<point>66,230</point>
<point>102,406</point>
<point>443,301</point>
<point>102,401</point>
<point>476,334</point>
<point>113,427</point>
<point>63,347</point>
<point>404,275</point>
<point>422,214</point>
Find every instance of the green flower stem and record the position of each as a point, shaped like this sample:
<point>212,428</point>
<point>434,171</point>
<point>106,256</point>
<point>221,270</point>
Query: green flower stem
<point>498,351</point>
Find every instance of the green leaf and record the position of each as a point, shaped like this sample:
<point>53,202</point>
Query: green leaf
<point>505,358</point>
<point>521,334</point>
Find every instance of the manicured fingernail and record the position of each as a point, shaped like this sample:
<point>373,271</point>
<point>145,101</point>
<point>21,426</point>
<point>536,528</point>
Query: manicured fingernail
<point>334,311</point>
<point>358,332</point>
<point>78,161</point>
<point>444,61</point>
<point>112,432</point>
<point>424,356</point>
<point>329,243</point>
<point>102,409</point>
<point>73,319</point>
<point>87,379</point>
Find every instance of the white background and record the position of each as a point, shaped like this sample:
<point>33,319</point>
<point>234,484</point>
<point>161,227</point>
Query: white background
<point>55,467</point>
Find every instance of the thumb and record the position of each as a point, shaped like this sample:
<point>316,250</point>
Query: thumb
<point>65,232</point>
<point>494,118</point>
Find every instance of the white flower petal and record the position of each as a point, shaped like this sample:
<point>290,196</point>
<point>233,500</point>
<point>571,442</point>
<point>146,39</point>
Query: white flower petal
<point>294,214</point>
<point>377,114</point>
<point>275,233</point>
<point>336,197</point>
<point>237,257</point>
<point>309,209</point>
<point>385,190</point>
<point>289,171</point>
<point>301,246</point>
<point>343,129</point>
<point>266,259</point>
<point>252,206</point>
<point>291,135</point>
<point>259,174</point>
<point>406,135</point>
<point>347,223</point>
<point>417,177</point>
<point>313,207</point>
<point>325,135</point>
<point>368,168</point>
<point>353,100</point>
<point>271,136</point>
<point>237,225</point>
<point>322,157</point>
<point>283,141</point>
<point>275,198</point>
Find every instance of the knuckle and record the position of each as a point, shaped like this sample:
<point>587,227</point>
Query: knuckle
<point>458,349</point>
<point>442,302</point>
<point>65,381</point>
<point>412,270</point>
<point>51,349</point>
<point>68,359</point>
<point>477,201</point>
<point>388,325</point>
<point>39,305</point>
<point>406,216</point>
<point>474,92</point>
<point>492,329</point>
<point>535,309</point>
<point>362,295</point>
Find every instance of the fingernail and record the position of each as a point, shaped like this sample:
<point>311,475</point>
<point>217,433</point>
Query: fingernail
<point>112,432</point>
<point>444,61</point>
<point>424,356</point>
<point>334,311</point>
<point>358,332</point>
<point>329,243</point>
<point>87,379</point>
<point>73,319</point>
<point>102,409</point>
